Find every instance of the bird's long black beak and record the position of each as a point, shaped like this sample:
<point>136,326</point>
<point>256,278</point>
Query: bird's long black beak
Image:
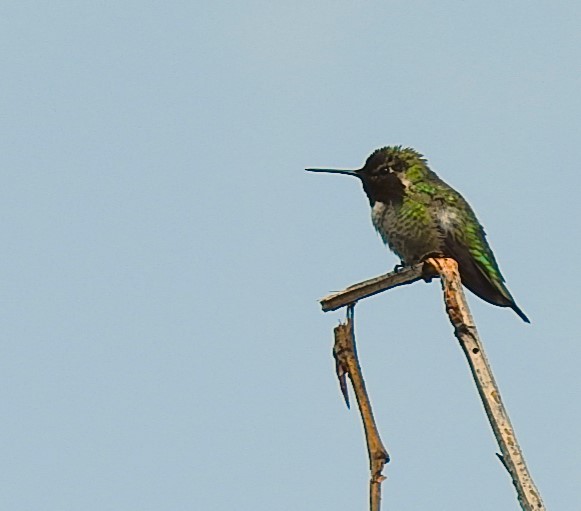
<point>336,171</point>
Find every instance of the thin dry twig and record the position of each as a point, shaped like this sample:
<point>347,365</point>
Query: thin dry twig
<point>465,331</point>
<point>345,353</point>
<point>370,287</point>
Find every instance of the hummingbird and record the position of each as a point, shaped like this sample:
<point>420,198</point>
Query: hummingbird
<point>418,216</point>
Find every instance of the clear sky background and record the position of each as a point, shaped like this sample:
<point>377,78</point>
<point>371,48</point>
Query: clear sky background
<point>163,251</point>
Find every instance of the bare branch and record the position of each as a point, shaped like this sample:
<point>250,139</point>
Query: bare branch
<point>370,287</point>
<point>465,331</point>
<point>345,354</point>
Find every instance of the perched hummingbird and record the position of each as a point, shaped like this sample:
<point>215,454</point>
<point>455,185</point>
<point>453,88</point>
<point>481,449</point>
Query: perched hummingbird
<point>420,216</point>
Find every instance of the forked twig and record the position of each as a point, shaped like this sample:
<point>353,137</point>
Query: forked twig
<point>465,331</point>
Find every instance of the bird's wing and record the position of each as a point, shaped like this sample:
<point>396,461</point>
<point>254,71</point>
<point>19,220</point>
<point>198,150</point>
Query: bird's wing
<point>465,240</point>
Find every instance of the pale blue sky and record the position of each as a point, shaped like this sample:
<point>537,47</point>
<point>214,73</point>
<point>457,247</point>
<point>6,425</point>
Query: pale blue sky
<point>162,346</point>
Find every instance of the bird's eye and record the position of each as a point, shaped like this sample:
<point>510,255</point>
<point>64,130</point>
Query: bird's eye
<point>385,170</point>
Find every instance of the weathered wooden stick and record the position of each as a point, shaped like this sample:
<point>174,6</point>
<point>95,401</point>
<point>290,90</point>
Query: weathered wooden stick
<point>465,331</point>
<point>345,353</point>
<point>370,287</point>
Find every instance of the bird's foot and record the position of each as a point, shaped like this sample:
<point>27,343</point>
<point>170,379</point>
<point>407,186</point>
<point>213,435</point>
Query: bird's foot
<point>398,267</point>
<point>428,271</point>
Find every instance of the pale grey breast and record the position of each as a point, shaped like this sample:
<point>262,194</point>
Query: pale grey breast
<point>411,241</point>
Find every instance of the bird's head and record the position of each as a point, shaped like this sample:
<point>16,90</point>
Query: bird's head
<point>387,172</point>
